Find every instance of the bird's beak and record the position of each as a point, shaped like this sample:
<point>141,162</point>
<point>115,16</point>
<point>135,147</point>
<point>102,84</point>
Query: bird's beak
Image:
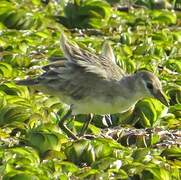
<point>161,97</point>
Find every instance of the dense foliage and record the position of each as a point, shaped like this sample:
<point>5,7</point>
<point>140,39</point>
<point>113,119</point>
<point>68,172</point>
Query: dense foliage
<point>144,35</point>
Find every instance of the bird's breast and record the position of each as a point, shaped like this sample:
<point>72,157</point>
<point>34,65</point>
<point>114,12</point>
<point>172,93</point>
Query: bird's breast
<point>102,106</point>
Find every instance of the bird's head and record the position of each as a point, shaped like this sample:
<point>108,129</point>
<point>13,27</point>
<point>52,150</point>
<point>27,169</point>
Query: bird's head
<point>150,86</point>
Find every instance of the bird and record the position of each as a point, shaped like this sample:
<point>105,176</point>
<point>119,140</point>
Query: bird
<point>93,83</point>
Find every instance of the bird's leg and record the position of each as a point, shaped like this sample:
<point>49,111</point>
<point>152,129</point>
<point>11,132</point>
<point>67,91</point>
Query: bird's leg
<point>64,127</point>
<point>108,120</point>
<point>86,124</point>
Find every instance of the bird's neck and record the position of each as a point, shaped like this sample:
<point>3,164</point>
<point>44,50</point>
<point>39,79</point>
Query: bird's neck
<point>131,86</point>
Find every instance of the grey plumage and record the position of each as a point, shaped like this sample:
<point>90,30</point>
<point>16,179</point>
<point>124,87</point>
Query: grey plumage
<point>78,75</point>
<point>83,74</point>
<point>94,83</point>
<point>28,82</point>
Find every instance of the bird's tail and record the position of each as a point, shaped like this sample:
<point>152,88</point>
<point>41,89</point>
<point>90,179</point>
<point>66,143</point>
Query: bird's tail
<point>27,82</point>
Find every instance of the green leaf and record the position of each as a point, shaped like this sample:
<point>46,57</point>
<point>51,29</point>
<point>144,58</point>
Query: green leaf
<point>80,152</point>
<point>107,163</point>
<point>150,110</point>
<point>155,172</point>
<point>172,153</point>
<point>166,17</point>
<point>141,154</point>
<point>19,176</point>
<point>89,13</point>
<point>5,70</point>
<point>43,141</point>
<point>174,65</point>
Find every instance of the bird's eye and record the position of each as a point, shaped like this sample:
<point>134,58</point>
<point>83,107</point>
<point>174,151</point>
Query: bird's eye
<point>149,86</point>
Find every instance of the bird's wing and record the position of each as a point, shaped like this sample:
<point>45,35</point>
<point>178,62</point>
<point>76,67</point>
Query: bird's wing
<point>101,66</point>
<point>78,74</point>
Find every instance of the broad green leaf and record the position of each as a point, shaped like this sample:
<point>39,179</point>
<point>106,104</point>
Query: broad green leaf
<point>165,17</point>
<point>172,153</point>
<point>43,141</point>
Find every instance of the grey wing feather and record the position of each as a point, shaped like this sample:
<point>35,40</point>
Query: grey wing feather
<point>27,82</point>
<point>68,78</point>
<point>78,74</point>
<point>97,65</point>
